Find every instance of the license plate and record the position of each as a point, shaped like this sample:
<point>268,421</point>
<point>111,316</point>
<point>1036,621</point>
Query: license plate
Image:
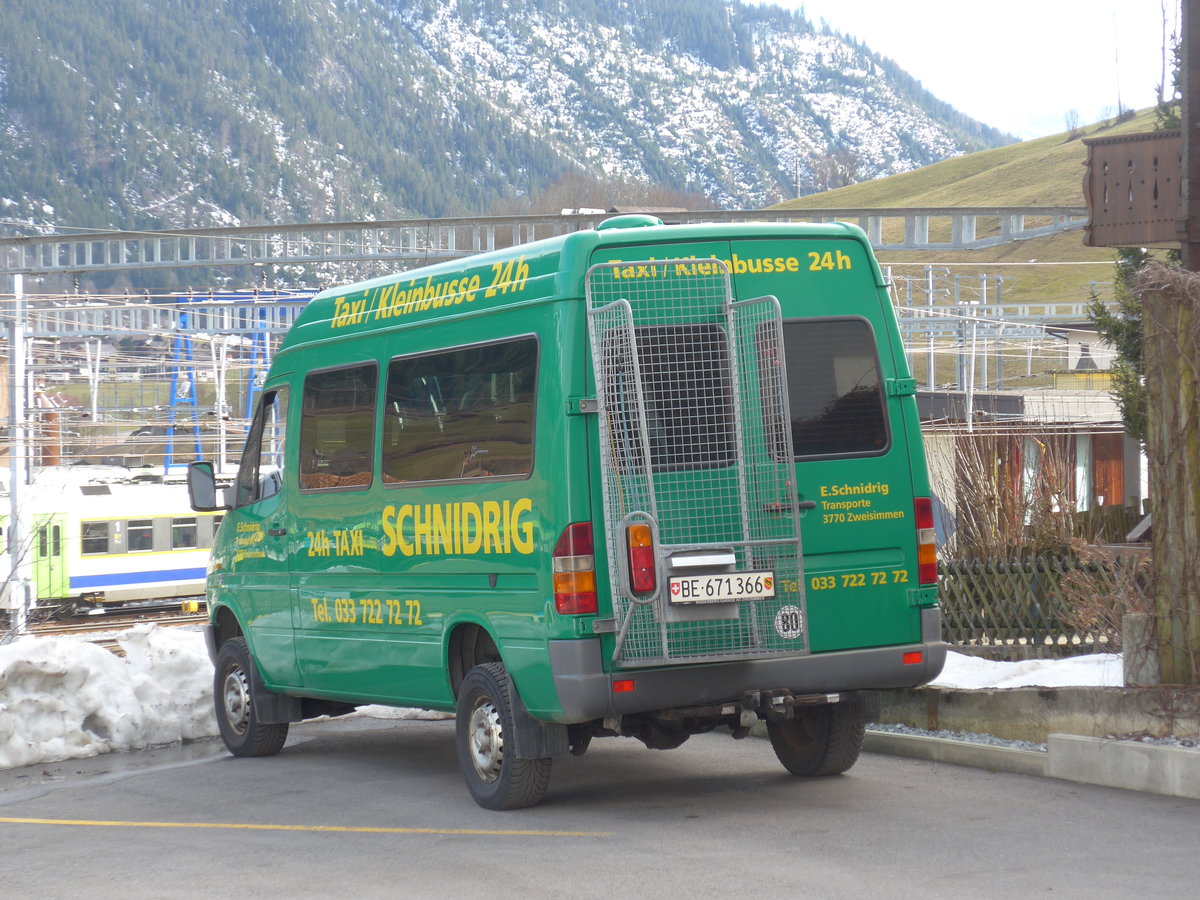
<point>723,588</point>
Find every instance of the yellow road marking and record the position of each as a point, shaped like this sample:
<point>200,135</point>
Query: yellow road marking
<point>364,829</point>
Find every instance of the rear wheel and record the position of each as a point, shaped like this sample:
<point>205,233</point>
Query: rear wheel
<point>484,733</point>
<point>233,692</point>
<point>823,740</point>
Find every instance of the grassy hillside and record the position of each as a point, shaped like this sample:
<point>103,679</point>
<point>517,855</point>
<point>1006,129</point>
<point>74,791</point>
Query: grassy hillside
<point>1043,172</point>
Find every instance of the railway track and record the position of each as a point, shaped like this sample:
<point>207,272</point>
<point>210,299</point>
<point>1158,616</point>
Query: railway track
<point>110,624</point>
<point>103,630</point>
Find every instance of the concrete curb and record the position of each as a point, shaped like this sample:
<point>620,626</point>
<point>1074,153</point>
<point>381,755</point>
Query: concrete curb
<point>1073,723</point>
<point>1124,764</point>
<point>1129,765</point>
<point>960,753</point>
<point>1035,713</point>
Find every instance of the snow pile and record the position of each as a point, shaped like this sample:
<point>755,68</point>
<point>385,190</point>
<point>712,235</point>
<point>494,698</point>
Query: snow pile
<point>66,699</point>
<point>62,698</point>
<point>969,672</point>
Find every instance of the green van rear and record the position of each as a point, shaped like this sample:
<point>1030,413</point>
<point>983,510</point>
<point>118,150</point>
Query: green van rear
<point>644,480</point>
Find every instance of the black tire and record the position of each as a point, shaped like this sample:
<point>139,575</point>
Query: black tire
<point>496,778</point>
<point>233,695</point>
<point>823,740</point>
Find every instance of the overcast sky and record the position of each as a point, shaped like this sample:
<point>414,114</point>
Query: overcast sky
<point>1018,65</point>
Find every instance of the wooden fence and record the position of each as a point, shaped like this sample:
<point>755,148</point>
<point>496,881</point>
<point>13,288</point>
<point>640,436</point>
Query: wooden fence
<point>1050,605</point>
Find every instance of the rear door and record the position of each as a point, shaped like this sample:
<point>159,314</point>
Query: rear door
<point>49,561</point>
<point>687,386</point>
<point>852,437</point>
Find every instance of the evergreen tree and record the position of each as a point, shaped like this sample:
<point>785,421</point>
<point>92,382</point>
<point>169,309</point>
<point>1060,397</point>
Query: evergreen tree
<point>1169,111</point>
<point>1122,329</point>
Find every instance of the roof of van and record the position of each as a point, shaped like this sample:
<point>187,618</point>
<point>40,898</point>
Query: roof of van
<point>549,269</point>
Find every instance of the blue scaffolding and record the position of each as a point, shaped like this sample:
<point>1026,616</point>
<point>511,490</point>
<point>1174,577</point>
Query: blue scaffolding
<point>248,314</point>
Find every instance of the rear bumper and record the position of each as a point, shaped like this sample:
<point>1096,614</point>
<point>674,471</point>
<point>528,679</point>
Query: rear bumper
<point>585,688</point>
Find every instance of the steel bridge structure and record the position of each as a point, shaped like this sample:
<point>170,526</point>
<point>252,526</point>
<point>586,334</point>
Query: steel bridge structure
<point>406,243</point>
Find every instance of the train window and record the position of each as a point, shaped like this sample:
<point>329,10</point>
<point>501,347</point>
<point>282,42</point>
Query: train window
<point>260,474</point>
<point>465,413</point>
<point>139,535</point>
<point>183,533</point>
<point>49,541</point>
<point>93,538</point>
<point>337,428</point>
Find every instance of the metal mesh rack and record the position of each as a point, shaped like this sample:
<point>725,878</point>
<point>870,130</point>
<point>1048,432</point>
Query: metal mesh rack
<point>695,443</point>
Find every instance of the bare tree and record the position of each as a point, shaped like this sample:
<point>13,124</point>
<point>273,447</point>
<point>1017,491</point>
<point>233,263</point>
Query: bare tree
<point>1072,122</point>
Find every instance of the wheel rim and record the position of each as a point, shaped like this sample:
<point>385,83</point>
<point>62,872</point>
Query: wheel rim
<point>236,696</point>
<point>486,736</point>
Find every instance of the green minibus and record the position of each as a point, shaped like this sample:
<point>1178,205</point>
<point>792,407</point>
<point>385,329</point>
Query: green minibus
<point>644,480</point>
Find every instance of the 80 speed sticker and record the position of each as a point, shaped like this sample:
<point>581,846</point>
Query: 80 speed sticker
<point>789,622</point>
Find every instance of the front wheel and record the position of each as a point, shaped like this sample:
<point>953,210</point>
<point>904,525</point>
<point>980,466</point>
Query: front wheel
<point>484,732</point>
<point>823,740</point>
<point>233,692</point>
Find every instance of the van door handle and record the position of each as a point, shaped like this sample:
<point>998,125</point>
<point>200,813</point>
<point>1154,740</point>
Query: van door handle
<point>781,507</point>
<point>276,532</point>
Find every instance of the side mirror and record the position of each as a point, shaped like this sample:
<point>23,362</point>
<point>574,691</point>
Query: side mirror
<point>202,487</point>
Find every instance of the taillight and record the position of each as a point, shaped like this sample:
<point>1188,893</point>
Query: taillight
<point>927,564</point>
<point>574,568</point>
<point>640,541</point>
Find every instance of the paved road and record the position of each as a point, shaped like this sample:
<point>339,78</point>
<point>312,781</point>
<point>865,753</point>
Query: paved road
<point>365,808</point>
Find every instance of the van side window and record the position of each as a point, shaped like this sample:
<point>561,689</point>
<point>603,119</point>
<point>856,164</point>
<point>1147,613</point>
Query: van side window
<point>260,474</point>
<point>337,428</point>
<point>465,413</point>
<point>835,391</point>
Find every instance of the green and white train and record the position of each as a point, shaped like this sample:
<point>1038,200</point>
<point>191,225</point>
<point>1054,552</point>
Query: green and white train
<point>98,539</point>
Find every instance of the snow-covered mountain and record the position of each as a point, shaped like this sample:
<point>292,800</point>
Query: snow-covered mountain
<point>195,112</point>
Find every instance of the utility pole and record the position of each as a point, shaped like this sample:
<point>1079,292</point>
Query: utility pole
<point>18,541</point>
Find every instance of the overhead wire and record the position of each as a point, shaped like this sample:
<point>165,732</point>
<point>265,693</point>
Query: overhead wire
<point>1042,351</point>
